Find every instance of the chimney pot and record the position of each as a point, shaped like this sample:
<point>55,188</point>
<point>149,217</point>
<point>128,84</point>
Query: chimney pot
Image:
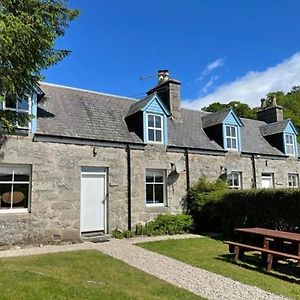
<point>263,103</point>
<point>163,76</point>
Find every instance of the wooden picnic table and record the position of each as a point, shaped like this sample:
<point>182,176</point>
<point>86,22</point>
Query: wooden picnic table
<point>270,243</point>
<point>280,240</point>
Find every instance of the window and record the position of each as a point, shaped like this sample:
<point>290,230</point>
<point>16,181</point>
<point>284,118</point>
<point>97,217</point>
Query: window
<point>267,180</point>
<point>231,137</point>
<point>154,128</point>
<point>14,188</point>
<point>155,187</point>
<point>234,180</point>
<point>21,106</point>
<point>289,144</point>
<point>293,180</point>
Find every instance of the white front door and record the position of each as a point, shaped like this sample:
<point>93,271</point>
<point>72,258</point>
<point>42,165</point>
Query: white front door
<point>93,201</point>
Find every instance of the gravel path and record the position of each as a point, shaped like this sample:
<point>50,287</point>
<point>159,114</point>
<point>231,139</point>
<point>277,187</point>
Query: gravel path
<point>198,281</point>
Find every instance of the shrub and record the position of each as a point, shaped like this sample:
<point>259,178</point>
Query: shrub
<point>119,234</point>
<point>223,210</point>
<point>166,224</point>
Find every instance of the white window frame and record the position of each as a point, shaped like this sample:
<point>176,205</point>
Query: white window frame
<point>20,111</point>
<point>231,138</point>
<point>155,128</point>
<point>268,175</point>
<point>293,180</point>
<point>12,210</point>
<point>288,145</point>
<point>239,186</point>
<point>163,173</point>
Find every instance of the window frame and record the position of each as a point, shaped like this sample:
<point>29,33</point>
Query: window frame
<point>288,145</point>
<point>18,110</point>
<point>12,182</point>
<point>293,175</point>
<point>230,137</point>
<point>240,181</point>
<point>153,203</point>
<point>268,175</point>
<point>155,128</point>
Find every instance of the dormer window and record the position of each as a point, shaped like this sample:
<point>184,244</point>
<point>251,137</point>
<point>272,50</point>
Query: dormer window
<point>154,128</point>
<point>231,137</point>
<point>21,106</point>
<point>289,144</point>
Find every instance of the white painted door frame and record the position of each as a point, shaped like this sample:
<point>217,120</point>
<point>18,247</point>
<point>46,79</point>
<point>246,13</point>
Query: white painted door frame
<point>97,172</point>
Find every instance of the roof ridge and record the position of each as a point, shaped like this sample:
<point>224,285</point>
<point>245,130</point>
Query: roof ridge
<point>86,91</point>
<point>275,123</point>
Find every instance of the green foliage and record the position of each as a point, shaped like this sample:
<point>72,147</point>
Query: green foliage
<point>119,234</point>
<point>28,31</point>
<point>166,224</point>
<point>243,110</point>
<point>270,208</point>
<point>202,199</point>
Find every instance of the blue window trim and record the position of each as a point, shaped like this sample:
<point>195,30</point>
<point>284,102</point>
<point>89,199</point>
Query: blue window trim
<point>295,153</point>
<point>232,120</point>
<point>162,112</point>
<point>238,137</point>
<point>292,131</point>
<point>146,138</point>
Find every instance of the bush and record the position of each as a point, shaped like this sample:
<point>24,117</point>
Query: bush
<point>166,224</point>
<point>119,234</point>
<point>223,210</point>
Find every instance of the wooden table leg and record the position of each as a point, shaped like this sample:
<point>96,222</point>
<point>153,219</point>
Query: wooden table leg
<point>237,253</point>
<point>269,262</point>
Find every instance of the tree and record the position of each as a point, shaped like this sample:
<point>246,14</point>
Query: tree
<point>28,31</point>
<point>242,109</point>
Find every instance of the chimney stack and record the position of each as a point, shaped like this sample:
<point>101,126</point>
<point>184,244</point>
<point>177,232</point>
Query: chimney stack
<point>168,90</point>
<point>269,111</point>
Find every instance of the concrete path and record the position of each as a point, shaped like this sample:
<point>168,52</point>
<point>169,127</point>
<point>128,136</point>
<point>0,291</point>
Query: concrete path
<point>198,281</point>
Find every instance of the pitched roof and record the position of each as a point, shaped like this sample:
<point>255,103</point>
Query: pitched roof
<point>274,128</point>
<point>139,105</point>
<point>217,118</point>
<point>71,112</point>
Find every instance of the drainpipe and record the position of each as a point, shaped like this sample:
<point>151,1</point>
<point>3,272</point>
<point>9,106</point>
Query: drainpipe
<point>129,186</point>
<point>187,168</point>
<point>254,184</point>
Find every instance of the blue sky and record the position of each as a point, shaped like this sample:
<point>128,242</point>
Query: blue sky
<point>219,50</point>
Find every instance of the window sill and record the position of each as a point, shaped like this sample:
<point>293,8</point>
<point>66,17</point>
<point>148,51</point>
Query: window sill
<point>155,205</point>
<point>14,211</point>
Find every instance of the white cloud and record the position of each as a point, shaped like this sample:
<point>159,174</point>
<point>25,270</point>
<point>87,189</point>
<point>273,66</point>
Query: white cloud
<point>254,85</point>
<point>211,81</point>
<point>210,67</point>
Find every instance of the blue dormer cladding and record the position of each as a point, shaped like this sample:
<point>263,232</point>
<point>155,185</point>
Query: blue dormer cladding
<point>232,132</point>
<point>155,111</point>
<point>290,140</point>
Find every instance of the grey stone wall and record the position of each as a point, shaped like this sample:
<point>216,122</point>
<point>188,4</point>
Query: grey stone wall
<point>56,179</point>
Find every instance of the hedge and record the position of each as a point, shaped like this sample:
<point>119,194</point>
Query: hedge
<point>222,211</point>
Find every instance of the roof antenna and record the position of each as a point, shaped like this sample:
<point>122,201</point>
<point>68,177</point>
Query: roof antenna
<point>147,77</point>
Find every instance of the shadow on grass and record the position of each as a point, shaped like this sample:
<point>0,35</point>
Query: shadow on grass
<point>287,271</point>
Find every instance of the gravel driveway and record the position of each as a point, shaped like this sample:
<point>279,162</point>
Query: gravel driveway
<point>198,281</point>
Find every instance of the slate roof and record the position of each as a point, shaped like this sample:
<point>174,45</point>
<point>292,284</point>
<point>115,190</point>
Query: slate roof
<point>70,112</point>
<point>216,118</point>
<point>274,128</point>
<point>138,105</point>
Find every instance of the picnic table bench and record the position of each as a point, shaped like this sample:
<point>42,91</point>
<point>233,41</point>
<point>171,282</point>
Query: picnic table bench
<point>241,248</point>
<point>270,243</point>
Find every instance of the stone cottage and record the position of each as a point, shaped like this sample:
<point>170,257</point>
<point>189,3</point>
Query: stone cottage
<point>91,162</point>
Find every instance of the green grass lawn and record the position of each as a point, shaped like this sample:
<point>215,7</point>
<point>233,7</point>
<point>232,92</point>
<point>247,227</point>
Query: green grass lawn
<point>80,275</point>
<point>212,255</point>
